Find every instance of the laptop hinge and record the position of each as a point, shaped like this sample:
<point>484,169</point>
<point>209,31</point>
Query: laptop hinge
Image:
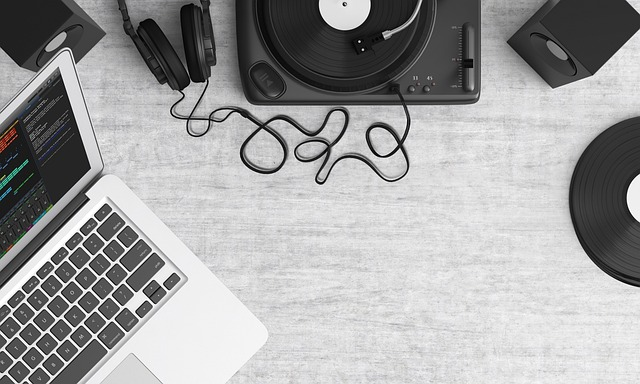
<point>36,244</point>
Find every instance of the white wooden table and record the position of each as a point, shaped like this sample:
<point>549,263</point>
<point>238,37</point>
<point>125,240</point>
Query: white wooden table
<point>468,271</point>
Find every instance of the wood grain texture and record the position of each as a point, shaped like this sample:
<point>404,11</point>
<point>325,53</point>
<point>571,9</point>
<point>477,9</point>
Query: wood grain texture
<point>468,271</point>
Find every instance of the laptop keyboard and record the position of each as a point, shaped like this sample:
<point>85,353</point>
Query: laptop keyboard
<point>83,302</point>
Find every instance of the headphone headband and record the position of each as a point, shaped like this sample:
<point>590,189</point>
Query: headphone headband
<point>209,40</point>
<point>128,26</point>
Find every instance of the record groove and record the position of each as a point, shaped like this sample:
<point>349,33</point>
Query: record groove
<point>607,230</point>
<point>317,54</point>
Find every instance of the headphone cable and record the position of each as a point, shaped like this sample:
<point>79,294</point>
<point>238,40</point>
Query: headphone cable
<point>312,137</point>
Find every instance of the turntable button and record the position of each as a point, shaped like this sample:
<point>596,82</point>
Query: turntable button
<point>426,89</point>
<point>267,80</point>
<point>411,89</point>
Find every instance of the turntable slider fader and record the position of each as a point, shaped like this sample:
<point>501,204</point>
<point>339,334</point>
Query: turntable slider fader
<point>468,57</point>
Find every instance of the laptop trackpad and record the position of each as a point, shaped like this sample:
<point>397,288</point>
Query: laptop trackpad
<point>131,371</point>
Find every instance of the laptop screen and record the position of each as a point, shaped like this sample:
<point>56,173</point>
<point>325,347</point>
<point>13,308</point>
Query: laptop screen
<point>42,157</point>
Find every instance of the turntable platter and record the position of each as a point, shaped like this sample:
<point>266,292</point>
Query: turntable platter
<point>310,49</point>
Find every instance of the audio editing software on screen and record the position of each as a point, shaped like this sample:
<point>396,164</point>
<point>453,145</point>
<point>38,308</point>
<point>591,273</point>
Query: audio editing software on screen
<point>41,158</point>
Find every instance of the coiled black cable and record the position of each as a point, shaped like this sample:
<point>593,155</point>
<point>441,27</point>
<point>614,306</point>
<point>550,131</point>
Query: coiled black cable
<point>312,135</point>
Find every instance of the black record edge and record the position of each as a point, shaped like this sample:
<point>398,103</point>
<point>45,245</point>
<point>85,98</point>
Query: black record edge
<point>590,154</point>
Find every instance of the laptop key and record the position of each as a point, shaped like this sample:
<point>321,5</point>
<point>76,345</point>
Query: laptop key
<point>88,227</point>
<point>71,292</point>
<point>95,323</point>
<point>128,236</point>
<point>144,309</point>
<point>111,226</point>
<point>32,358</point>
<point>51,286</point>
<point>38,299</point>
<point>127,320</point>
<point>74,316</point>
<point>30,334</point>
<point>9,328</point>
<point>145,273</point>
<point>67,350</point>
<point>81,336</point>
<point>111,335</point>
<point>103,212</point>
<point>123,294</point>
<point>38,377</point>
<point>16,299</point>
<point>60,255</point>
<point>82,364</point>
<point>30,285</point>
<point>172,281</point>
<point>23,314</point>
<point>113,250</point>
<point>3,341</point>
<point>102,288</point>
<point>60,330</point>
<point>151,288</point>
<point>79,258</point>
<point>109,308</point>
<point>65,272</point>
<point>46,269</point>
<point>4,312</point>
<point>44,320</point>
<point>47,344</point>
<point>19,372</point>
<point>58,306</point>
<point>100,264</point>
<point>53,365</point>
<point>74,241</point>
<point>16,348</point>
<point>136,255</point>
<point>93,244</point>
<point>158,295</point>
<point>88,302</point>
<point>86,278</point>
<point>116,274</point>
<point>5,362</point>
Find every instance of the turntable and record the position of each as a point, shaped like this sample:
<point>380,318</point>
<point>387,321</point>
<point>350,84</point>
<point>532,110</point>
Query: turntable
<point>332,52</point>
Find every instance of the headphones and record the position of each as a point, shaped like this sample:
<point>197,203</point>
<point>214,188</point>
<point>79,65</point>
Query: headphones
<point>160,56</point>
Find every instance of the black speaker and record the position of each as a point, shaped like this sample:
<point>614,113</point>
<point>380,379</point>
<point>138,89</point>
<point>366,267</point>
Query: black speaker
<point>568,40</point>
<point>31,32</point>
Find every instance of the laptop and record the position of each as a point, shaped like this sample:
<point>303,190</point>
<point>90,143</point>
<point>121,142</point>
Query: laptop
<point>94,287</point>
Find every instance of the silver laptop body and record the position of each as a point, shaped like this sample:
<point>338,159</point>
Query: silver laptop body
<point>95,288</point>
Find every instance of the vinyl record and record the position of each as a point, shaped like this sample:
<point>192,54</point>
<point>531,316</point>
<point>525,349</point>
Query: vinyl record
<point>322,56</point>
<point>607,230</point>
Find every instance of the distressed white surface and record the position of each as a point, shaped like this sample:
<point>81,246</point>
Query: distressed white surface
<point>468,271</point>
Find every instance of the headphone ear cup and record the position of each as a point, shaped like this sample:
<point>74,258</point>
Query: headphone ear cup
<point>159,45</point>
<point>192,23</point>
<point>150,59</point>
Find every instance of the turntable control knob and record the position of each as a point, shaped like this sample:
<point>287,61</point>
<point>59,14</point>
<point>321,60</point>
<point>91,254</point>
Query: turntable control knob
<point>468,57</point>
<point>267,80</point>
<point>411,89</point>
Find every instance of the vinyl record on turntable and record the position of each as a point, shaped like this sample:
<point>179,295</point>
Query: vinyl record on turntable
<point>605,201</point>
<point>314,40</point>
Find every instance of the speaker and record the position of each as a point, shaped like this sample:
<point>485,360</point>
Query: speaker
<point>568,40</point>
<point>32,32</point>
